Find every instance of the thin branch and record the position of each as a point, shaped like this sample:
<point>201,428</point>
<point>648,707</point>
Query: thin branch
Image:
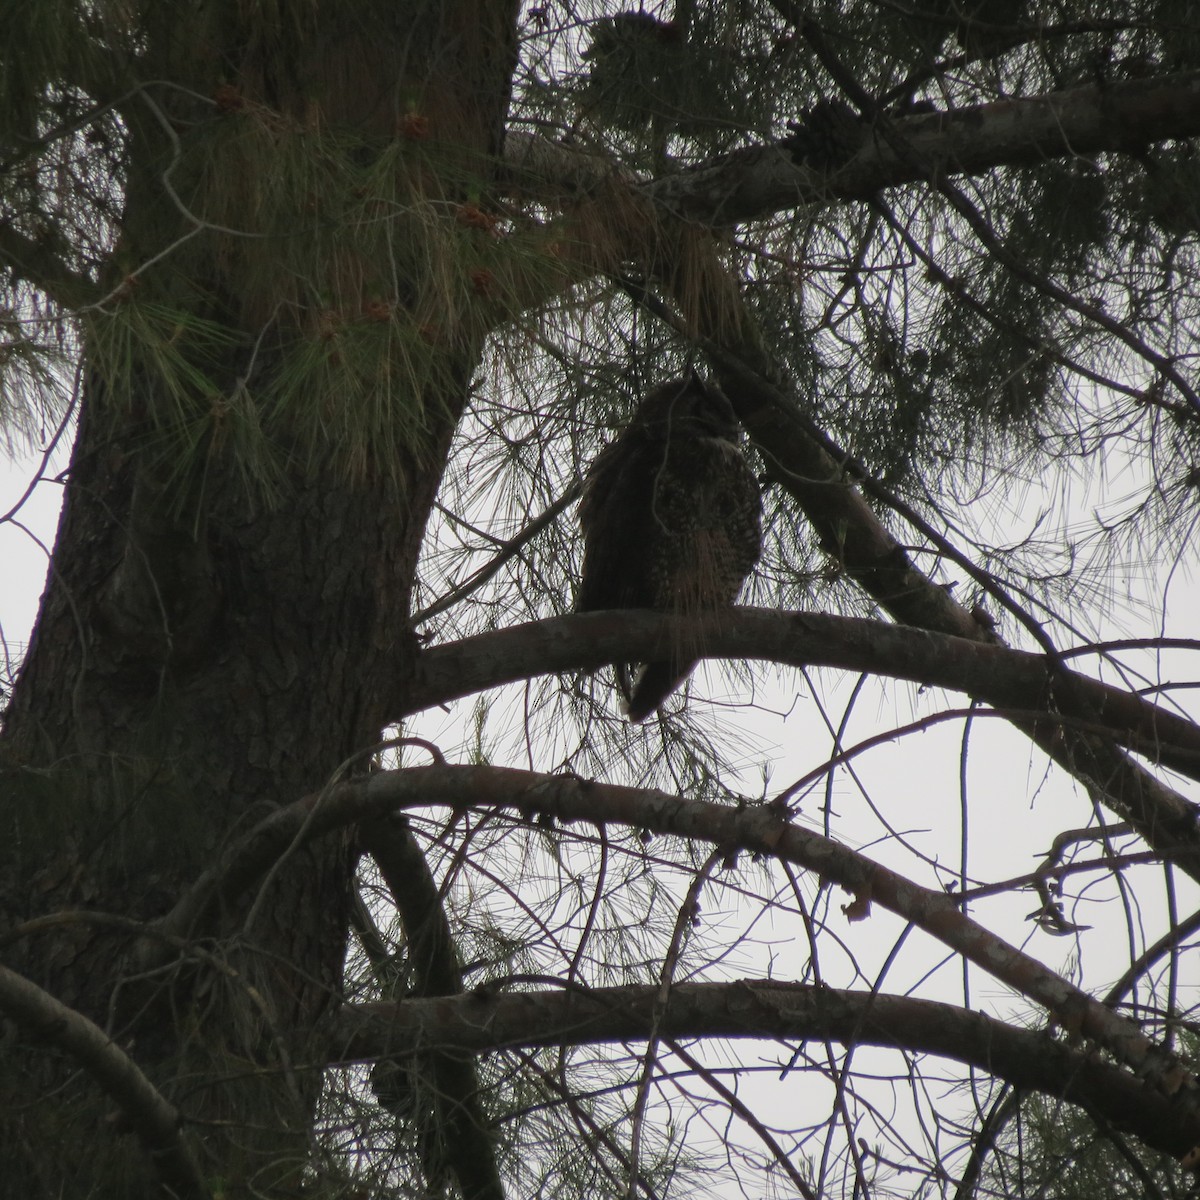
<point>1032,878</point>
<point>505,551</point>
<point>464,1142</point>
<point>1167,944</point>
<point>683,924</point>
<point>738,1105</point>
<point>591,1129</point>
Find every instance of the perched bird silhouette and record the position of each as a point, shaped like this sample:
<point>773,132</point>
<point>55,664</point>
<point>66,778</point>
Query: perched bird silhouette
<point>671,519</point>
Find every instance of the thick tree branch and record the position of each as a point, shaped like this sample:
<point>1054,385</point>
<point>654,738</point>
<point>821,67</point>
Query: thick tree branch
<point>1082,717</point>
<point>490,1020</point>
<point>759,830</point>
<point>760,181</point>
<point>155,1122</point>
<point>996,675</point>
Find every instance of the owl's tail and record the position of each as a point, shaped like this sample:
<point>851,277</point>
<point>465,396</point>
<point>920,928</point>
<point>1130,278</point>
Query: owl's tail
<point>650,686</point>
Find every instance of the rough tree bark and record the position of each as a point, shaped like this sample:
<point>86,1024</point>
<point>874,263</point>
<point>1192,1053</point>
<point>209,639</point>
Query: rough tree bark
<point>201,654</point>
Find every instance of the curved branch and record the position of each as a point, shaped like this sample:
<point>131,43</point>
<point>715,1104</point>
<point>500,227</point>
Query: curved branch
<point>759,181</point>
<point>487,1020</point>
<point>759,830</point>
<point>996,675</point>
<point>1074,719</point>
<point>155,1121</point>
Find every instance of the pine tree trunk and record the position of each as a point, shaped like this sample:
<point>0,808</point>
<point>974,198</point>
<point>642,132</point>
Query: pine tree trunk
<point>204,653</point>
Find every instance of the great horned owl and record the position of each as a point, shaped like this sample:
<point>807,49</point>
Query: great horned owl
<point>671,519</point>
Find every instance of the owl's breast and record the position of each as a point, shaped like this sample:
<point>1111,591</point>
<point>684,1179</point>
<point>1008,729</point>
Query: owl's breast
<point>705,526</point>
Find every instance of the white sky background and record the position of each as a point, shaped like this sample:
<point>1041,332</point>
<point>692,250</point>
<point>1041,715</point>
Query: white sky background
<point>1014,804</point>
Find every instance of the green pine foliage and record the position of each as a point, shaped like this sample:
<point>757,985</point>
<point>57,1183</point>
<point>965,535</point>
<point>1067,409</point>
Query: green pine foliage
<point>1055,1149</point>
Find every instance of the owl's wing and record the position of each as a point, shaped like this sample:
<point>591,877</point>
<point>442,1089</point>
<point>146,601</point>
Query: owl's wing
<point>613,514</point>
